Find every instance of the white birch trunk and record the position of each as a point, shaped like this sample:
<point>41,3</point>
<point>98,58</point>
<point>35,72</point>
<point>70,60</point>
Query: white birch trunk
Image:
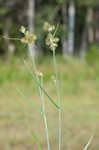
<point>97,25</point>
<point>9,46</point>
<point>64,39</point>
<point>90,28</point>
<point>31,17</point>
<point>71,27</point>
<point>87,34</point>
<point>84,42</point>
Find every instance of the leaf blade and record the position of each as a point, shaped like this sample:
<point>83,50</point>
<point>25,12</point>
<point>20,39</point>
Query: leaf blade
<point>28,100</point>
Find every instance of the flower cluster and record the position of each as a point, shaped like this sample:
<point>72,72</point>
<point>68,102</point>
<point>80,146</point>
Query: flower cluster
<point>28,37</point>
<point>40,74</point>
<point>51,40</point>
<point>48,27</point>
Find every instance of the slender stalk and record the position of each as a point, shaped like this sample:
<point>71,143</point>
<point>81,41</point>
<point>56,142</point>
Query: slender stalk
<point>44,116</point>
<point>59,102</point>
<point>5,37</point>
<point>55,30</point>
<point>43,105</point>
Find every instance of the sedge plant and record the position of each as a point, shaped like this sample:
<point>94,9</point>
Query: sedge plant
<point>52,42</point>
<point>30,39</point>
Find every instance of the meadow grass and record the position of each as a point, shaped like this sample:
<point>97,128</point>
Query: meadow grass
<point>79,97</point>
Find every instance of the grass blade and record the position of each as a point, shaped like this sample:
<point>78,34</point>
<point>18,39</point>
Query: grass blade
<point>52,101</point>
<point>28,100</point>
<point>36,140</point>
<point>42,88</point>
<point>34,136</point>
<point>89,142</point>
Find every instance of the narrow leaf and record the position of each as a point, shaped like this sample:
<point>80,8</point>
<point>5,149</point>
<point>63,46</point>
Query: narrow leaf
<point>52,101</point>
<point>28,100</point>
<point>36,140</point>
<point>89,142</point>
<point>42,88</point>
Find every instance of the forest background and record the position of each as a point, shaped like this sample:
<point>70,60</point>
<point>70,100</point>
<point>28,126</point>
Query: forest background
<point>78,25</point>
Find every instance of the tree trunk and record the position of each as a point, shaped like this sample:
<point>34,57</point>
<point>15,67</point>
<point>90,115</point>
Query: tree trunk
<point>9,46</point>
<point>97,25</point>
<point>31,17</point>
<point>90,26</point>
<point>87,35</point>
<point>71,27</point>
<point>84,42</point>
<point>64,39</point>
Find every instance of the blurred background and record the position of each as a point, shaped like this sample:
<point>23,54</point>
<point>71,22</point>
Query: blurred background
<point>78,25</point>
<point>78,68</point>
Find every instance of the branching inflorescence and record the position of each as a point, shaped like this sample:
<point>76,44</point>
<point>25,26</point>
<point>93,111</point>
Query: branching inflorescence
<point>52,42</point>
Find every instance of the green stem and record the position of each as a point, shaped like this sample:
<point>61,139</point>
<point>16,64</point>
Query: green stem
<point>42,102</point>
<point>15,39</point>
<point>44,116</point>
<point>59,101</point>
<point>41,87</point>
<point>55,30</point>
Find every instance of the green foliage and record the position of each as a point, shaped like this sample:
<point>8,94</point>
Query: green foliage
<point>92,56</point>
<point>43,9</point>
<point>3,11</point>
<point>1,26</point>
<point>71,76</point>
<point>11,72</point>
<point>88,2</point>
<point>62,1</point>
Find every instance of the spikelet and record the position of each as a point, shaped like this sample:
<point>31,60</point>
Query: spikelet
<point>28,37</point>
<point>22,29</point>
